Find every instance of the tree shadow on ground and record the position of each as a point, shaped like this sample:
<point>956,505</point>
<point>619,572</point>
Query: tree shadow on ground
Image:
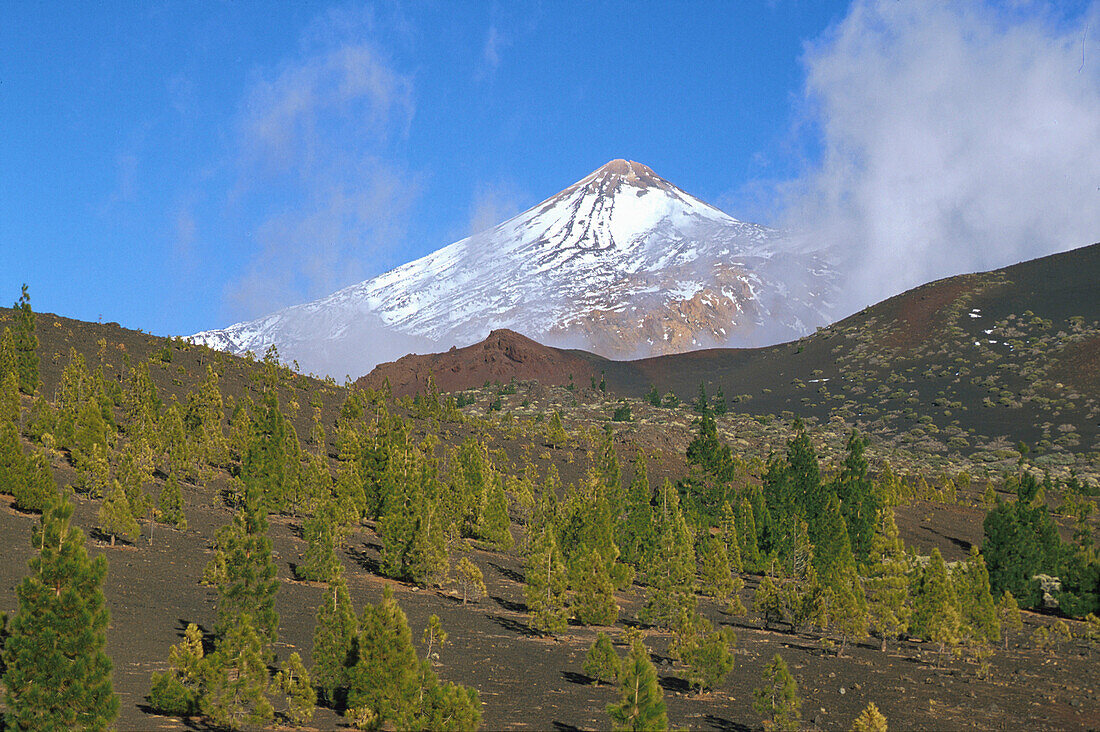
<point>515,627</point>
<point>369,563</point>
<point>575,678</point>
<point>516,607</point>
<point>674,684</point>
<point>198,724</point>
<point>509,573</point>
<point>724,725</point>
<point>563,727</point>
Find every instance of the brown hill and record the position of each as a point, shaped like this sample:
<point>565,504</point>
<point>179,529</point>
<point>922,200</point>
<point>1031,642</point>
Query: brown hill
<point>502,357</point>
<point>998,358</point>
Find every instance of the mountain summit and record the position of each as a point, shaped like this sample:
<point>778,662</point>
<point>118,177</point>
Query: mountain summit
<point>621,263</point>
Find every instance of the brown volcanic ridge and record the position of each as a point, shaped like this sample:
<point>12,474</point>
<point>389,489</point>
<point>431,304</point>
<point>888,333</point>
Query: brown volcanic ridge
<point>503,356</point>
<point>1022,338</point>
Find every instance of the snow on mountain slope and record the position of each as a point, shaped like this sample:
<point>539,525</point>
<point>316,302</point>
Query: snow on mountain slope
<point>622,263</point>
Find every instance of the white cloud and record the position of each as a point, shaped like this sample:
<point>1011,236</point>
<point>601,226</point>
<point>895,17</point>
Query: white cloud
<point>956,136</point>
<point>495,43</point>
<point>493,204</point>
<point>315,155</point>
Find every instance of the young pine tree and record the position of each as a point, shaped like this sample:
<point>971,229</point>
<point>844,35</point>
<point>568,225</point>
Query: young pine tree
<point>470,579</point>
<point>888,584</point>
<point>977,610</point>
<point>58,675</point>
<point>237,678</point>
<point>10,406</point>
<point>641,704</point>
<point>293,681</point>
<point>715,577</point>
<point>869,720</point>
<point>37,487</point>
<point>12,461</point>
<point>116,518</point>
<point>859,503</point>
<point>593,592</point>
<point>323,536</point>
<point>671,575</point>
<point>334,639</point>
<point>178,691</point>
<point>546,585</point>
<point>747,537</point>
<point>777,701</point>
<point>385,680</point>
<point>935,616</point>
<point>1008,612</point>
<point>26,344</point>
<point>244,572</point>
<point>710,659</point>
<point>171,504</point>
<point>602,664</point>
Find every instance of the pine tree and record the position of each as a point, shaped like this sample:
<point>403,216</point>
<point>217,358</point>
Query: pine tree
<point>1008,612</point>
<point>470,579</point>
<point>9,363</point>
<point>672,574</point>
<point>248,582</point>
<point>493,521</point>
<point>58,675</point>
<point>171,503</point>
<point>859,503</point>
<point>334,638</point>
<point>546,584</point>
<point>747,537</point>
<point>641,704</point>
<point>264,464</point>
<point>594,597</point>
<point>556,436</point>
<point>237,678</point>
<point>178,691</point>
<point>446,707</point>
<point>601,663</point>
<point>935,616</point>
<point>293,680</point>
<point>715,576</point>
<point>848,614</point>
<point>37,487</point>
<point>777,701</point>
<point>832,549</point>
<point>727,533</point>
<point>116,518</point>
<point>710,659</point>
<point>323,536</point>
<point>433,635</point>
<point>10,404</point>
<point>13,464</point>
<point>140,404</point>
<point>26,344</point>
<point>869,720</point>
<point>386,677</point>
<point>888,583</point>
<point>977,610</point>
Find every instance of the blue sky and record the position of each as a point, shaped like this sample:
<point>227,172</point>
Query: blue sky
<point>181,166</point>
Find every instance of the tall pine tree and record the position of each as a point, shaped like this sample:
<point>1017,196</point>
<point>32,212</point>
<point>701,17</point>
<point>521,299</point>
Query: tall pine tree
<point>58,675</point>
<point>26,344</point>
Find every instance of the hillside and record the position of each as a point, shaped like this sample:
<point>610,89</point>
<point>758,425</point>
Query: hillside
<point>974,364</point>
<point>526,678</point>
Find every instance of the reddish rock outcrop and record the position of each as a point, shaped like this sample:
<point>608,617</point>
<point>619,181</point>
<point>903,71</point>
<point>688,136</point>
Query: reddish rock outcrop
<point>503,356</point>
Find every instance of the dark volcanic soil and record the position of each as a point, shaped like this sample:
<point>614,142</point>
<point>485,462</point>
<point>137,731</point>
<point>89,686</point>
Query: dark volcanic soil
<point>528,681</point>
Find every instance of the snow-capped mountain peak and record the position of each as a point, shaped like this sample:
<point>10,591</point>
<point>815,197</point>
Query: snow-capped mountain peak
<point>622,263</point>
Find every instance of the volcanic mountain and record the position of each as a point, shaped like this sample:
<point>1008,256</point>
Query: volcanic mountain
<point>622,263</point>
